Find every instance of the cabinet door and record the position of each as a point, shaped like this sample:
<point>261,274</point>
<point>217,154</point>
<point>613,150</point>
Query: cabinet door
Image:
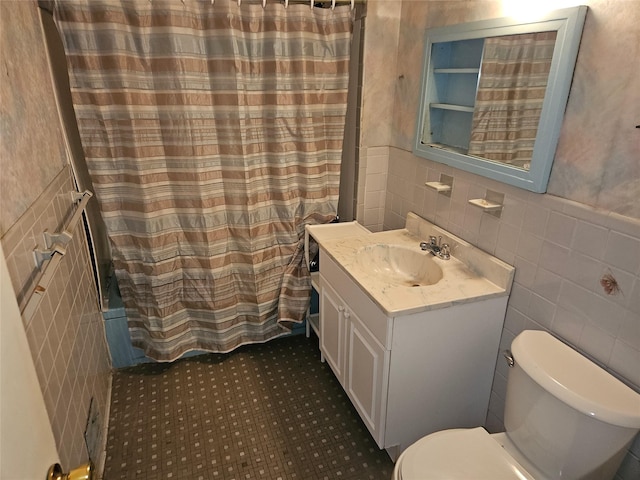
<point>367,377</point>
<point>332,330</point>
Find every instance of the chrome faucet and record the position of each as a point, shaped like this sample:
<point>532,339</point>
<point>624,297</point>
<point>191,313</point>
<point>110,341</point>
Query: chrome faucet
<point>436,247</point>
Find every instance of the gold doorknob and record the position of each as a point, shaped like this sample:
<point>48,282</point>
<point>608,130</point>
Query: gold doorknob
<point>83,472</point>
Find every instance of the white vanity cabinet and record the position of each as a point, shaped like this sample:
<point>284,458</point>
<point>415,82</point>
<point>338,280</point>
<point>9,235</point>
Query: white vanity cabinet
<point>408,375</point>
<point>356,357</point>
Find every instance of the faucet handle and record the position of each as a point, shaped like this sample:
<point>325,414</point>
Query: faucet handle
<point>445,251</point>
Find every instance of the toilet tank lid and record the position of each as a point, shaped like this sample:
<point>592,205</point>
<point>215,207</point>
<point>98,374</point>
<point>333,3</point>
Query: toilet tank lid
<point>575,380</point>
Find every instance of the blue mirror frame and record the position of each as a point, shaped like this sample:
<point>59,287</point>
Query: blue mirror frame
<point>568,23</point>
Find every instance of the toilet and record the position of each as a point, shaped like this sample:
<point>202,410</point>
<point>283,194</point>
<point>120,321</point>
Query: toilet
<point>565,418</point>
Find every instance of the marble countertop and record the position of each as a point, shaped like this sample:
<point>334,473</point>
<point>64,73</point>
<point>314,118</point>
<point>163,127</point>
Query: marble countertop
<point>470,275</point>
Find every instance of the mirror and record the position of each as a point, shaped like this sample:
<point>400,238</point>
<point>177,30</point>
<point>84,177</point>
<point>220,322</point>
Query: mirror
<point>494,92</point>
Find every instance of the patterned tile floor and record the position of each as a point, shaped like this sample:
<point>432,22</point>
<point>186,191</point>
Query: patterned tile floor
<point>270,411</point>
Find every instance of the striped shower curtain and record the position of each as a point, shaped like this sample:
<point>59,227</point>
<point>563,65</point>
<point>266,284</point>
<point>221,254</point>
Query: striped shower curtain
<point>513,81</point>
<point>213,134</point>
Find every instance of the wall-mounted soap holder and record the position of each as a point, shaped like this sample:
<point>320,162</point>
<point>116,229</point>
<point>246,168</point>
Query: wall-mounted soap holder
<point>444,186</point>
<point>492,203</point>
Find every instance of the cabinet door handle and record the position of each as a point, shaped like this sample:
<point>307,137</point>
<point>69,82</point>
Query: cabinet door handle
<point>341,308</point>
<point>347,314</point>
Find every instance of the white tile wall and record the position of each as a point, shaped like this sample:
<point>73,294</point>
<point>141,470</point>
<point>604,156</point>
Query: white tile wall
<point>372,187</point>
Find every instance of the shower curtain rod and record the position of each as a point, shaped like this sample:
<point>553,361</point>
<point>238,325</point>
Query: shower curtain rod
<point>48,4</point>
<point>311,3</point>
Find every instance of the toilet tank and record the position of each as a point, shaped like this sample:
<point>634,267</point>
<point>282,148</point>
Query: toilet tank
<point>569,417</point>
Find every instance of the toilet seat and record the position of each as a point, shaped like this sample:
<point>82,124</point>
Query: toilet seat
<point>458,454</point>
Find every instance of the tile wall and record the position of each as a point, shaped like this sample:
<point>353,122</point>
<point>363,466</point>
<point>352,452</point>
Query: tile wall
<point>373,166</point>
<point>66,335</point>
<point>560,248</point>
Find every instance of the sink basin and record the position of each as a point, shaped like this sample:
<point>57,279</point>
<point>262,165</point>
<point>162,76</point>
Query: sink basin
<point>399,265</point>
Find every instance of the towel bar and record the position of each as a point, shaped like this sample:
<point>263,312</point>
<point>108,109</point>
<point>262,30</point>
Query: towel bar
<point>52,254</point>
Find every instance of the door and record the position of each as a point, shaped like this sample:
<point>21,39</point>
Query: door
<point>332,329</point>
<point>367,367</point>
<point>27,446</point>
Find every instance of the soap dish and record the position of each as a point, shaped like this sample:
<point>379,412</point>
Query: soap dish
<point>439,187</point>
<point>486,205</point>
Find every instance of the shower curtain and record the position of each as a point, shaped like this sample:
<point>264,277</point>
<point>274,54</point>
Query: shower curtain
<point>213,134</point>
<point>513,81</point>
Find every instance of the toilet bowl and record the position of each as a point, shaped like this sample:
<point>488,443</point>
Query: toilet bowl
<point>460,453</point>
<point>565,418</point>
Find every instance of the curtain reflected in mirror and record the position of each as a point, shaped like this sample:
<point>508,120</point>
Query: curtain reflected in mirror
<point>511,89</point>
